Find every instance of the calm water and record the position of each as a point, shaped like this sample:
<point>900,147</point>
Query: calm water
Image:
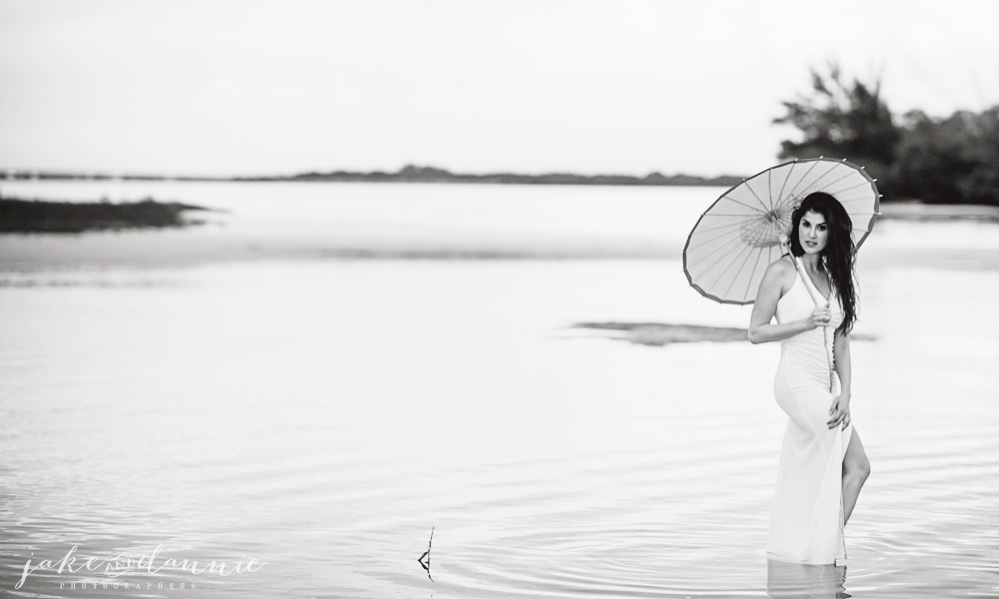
<point>247,390</point>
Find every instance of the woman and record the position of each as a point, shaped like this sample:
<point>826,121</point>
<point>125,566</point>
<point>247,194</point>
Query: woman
<point>822,464</point>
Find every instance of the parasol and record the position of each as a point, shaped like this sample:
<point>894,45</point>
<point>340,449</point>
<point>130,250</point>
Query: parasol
<point>747,229</point>
<point>736,238</point>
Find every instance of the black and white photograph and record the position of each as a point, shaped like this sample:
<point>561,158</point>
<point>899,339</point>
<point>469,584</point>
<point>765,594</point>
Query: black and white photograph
<point>469,299</point>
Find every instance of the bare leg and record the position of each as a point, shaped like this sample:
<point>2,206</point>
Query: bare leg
<point>856,469</point>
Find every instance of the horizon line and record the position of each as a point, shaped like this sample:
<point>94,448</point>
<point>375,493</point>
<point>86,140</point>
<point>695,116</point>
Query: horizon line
<point>411,170</point>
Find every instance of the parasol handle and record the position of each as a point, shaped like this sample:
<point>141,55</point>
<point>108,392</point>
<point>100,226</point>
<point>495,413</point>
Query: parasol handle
<point>816,296</point>
<point>817,299</point>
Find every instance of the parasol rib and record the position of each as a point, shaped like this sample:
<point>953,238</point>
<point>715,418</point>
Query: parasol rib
<point>726,214</point>
<point>752,191</point>
<point>704,240</point>
<point>790,171</point>
<point>814,183</point>
<point>744,250</point>
<point>749,206</point>
<point>741,266</point>
<point>711,265</point>
<point>846,189</point>
<point>830,184</point>
<point>770,187</point>
<point>719,227</point>
<point>752,275</point>
<point>803,177</point>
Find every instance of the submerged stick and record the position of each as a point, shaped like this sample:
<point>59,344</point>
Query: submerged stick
<point>426,554</point>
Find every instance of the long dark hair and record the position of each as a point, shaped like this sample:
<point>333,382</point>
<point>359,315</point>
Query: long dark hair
<point>838,253</point>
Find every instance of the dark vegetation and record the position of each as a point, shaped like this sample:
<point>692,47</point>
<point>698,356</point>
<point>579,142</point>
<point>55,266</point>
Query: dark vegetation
<point>952,160</point>
<point>37,216</point>
<point>426,174</point>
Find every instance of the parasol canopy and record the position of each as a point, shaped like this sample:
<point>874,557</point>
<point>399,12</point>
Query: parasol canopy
<point>736,238</point>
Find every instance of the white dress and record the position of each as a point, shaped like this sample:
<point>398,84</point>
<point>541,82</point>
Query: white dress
<point>806,522</point>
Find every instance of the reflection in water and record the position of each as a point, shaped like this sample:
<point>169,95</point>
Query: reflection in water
<point>801,581</point>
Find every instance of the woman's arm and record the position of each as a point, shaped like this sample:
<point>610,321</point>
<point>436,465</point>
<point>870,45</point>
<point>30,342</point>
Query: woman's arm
<point>760,329</point>
<point>839,412</point>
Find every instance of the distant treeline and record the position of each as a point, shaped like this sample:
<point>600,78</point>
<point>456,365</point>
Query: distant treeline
<point>413,174</point>
<point>952,160</point>
<point>38,216</point>
<point>427,174</point>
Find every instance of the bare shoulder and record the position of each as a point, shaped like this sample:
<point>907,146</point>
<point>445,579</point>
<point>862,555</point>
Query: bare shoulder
<point>782,268</point>
<point>777,279</point>
<point>780,274</point>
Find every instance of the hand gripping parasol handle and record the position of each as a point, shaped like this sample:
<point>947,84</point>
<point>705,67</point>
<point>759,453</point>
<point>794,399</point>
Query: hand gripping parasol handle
<point>818,300</point>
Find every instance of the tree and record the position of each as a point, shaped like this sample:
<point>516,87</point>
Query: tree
<point>842,120</point>
<point>953,160</point>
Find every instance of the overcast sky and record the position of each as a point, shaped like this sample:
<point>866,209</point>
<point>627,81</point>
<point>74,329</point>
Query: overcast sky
<point>245,86</point>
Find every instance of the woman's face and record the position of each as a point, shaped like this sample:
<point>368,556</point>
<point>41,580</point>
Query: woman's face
<point>813,232</point>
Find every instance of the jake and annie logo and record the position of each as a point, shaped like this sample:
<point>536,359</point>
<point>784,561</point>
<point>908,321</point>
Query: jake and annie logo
<point>114,567</point>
